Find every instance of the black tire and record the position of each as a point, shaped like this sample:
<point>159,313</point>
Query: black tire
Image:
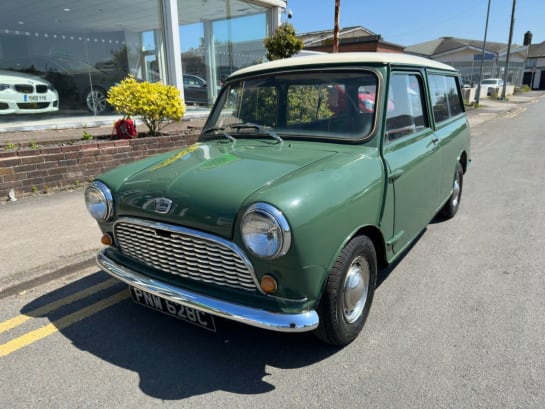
<point>343,313</point>
<point>95,100</point>
<point>451,207</point>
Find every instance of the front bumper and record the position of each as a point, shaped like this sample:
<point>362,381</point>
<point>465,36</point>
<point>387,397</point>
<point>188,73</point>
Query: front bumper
<point>301,322</point>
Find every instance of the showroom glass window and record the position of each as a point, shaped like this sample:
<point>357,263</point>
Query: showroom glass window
<point>226,39</point>
<point>82,48</point>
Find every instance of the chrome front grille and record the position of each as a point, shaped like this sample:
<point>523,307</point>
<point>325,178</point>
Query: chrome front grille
<point>185,253</point>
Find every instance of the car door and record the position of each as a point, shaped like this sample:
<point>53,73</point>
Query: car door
<point>411,154</point>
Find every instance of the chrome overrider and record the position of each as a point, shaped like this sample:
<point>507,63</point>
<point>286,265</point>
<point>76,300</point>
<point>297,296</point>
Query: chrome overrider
<point>301,322</point>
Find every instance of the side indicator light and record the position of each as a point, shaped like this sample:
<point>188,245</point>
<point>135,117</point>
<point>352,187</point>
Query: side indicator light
<point>269,284</point>
<point>107,240</point>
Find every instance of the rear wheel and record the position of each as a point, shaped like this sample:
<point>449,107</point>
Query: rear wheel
<point>349,293</point>
<point>450,208</point>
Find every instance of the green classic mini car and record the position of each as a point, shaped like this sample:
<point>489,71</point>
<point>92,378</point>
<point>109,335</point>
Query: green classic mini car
<point>309,175</point>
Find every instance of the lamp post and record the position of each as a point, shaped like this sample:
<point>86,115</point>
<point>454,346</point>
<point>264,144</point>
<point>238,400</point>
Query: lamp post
<point>478,96</point>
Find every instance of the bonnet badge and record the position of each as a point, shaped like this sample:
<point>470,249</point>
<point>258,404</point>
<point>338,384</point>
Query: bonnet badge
<point>163,205</point>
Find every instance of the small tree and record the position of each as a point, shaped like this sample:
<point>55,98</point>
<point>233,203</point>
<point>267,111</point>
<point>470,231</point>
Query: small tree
<point>283,44</point>
<point>157,104</point>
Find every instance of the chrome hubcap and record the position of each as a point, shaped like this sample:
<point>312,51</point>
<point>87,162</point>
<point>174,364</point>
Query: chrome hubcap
<point>356,289</point>
<point>456,191</point>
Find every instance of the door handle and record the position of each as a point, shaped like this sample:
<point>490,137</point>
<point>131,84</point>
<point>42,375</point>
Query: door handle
<point>434,142</point>
<point>396,174</point>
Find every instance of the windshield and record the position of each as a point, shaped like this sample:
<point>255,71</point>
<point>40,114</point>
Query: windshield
<point>317,104</point>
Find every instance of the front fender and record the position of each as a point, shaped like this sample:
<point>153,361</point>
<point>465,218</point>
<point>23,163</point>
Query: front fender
<point>325,205</point>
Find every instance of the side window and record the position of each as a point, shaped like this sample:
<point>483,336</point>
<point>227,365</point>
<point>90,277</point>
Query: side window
<point>406,112</point>
<point>445,97</point>
<point>455,101</point>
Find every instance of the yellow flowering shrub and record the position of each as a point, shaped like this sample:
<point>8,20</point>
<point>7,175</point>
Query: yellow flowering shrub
<point>155,103</point>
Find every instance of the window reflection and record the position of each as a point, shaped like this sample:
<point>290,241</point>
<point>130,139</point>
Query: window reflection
<point>213,49</point>
<point>82,50</point>
<point>78,57</point>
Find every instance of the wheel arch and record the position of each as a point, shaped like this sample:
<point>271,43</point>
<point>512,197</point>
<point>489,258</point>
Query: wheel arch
<point>463,159</point>
<point>375,235</point>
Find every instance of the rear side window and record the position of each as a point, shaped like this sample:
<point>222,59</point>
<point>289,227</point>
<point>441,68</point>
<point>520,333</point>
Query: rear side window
<point>445,97</point>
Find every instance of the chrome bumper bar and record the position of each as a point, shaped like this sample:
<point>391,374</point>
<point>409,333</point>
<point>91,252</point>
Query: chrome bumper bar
<point>305,321</point>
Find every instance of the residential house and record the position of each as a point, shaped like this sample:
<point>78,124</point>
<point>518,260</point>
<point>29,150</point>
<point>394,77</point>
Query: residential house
<point>350,39</point>
<point>534,71</point>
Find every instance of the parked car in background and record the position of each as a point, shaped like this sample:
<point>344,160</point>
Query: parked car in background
<point>26,94</point>
<point>491,84</point>
<point>294,196</point>
<point>78,84</point>
<point>195,90</point>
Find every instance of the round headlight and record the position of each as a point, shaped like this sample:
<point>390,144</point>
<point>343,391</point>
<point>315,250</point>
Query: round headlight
<point>98,200</point>
<point>265,231</point>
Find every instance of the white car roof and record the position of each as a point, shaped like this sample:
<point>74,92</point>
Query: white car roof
<point>346,58</point>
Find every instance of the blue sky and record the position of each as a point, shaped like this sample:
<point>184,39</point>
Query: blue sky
<point>410,22</point>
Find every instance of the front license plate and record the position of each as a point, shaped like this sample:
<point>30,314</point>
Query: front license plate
<point>188,314</point>
<point>35,98</point>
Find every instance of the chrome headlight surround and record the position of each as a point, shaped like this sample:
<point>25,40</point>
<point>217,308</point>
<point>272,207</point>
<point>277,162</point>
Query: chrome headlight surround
<point>99,201</point>
<point>265,231</point>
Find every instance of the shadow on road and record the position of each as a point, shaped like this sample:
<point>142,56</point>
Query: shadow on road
<point>176,360</point>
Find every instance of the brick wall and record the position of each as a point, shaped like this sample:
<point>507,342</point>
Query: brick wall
<point>50,168</point>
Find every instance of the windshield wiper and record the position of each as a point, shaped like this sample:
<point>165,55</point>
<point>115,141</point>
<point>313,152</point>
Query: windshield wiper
<point>259,128</point>
<point>219,131</point>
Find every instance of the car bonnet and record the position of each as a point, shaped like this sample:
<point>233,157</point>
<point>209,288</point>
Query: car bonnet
<point>207,183</point>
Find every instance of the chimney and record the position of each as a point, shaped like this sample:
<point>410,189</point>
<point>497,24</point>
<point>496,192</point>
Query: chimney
<point>528,38</point>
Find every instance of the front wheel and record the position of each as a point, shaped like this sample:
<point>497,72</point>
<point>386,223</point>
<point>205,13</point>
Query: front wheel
<point>96,100</point>
<point>348,293</point>
<point>450,208</point>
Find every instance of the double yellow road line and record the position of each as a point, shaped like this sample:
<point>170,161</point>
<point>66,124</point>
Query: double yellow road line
<point>57,325</point>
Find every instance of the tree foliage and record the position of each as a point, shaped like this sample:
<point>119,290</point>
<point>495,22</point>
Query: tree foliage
<point>283,43</point>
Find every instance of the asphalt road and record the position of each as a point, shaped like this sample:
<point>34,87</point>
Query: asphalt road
<point>456,323</point>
